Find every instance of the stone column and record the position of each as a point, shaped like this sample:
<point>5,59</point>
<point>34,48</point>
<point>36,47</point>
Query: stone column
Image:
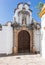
<point>42,15</point>
<point>31,45</point>
<point>15,41</point>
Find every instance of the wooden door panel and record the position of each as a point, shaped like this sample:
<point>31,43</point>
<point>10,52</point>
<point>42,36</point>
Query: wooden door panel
<point>24,42</point>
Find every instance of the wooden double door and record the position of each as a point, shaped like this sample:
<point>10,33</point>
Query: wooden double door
<point>23,42</point>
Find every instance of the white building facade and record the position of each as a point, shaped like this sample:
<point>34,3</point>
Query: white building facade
<point>42,15</point>
<point>23,35</point>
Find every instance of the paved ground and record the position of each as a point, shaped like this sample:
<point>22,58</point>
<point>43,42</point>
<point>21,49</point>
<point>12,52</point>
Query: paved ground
<point>22,60</point>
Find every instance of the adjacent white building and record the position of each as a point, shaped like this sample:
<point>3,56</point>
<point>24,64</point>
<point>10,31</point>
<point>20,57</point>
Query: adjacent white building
<point>42,15</point>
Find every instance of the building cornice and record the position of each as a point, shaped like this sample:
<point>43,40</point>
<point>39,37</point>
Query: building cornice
<point>43,11</point>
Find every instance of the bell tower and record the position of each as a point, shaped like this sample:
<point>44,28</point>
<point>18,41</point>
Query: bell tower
<point>23,14</point>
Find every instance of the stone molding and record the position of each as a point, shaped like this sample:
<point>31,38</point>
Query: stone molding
<point>16,32</point>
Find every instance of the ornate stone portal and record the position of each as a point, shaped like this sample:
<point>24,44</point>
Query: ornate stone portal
<point>24,22</point>
<point>16,33</point>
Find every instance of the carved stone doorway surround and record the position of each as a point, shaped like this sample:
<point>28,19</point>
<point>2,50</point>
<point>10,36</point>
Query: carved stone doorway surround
<point>15,39</point>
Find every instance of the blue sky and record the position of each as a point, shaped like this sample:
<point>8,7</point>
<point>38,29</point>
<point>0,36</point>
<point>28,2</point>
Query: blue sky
<point>7,9</point>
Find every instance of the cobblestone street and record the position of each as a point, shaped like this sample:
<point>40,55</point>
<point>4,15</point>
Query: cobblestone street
<point>22,60</point>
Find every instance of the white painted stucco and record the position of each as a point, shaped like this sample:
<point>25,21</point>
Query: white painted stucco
<point>26,6</point>
<point>6,39</point>
<point>18,18</point>
<point>43,36</point>
<point>20,6</point>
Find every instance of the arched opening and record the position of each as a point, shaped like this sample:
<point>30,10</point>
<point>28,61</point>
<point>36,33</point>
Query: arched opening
<point>23,42</point>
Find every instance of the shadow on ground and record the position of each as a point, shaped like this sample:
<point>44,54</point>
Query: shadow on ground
<point>19,54</point>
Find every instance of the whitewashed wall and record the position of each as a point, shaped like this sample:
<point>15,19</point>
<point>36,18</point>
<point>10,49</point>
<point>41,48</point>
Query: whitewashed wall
<point>43,36</point>
<point>26,6</point>
<point>30,17</point>
<point>6,40</point>
<point>20,6</point>
<point>37,39</point>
